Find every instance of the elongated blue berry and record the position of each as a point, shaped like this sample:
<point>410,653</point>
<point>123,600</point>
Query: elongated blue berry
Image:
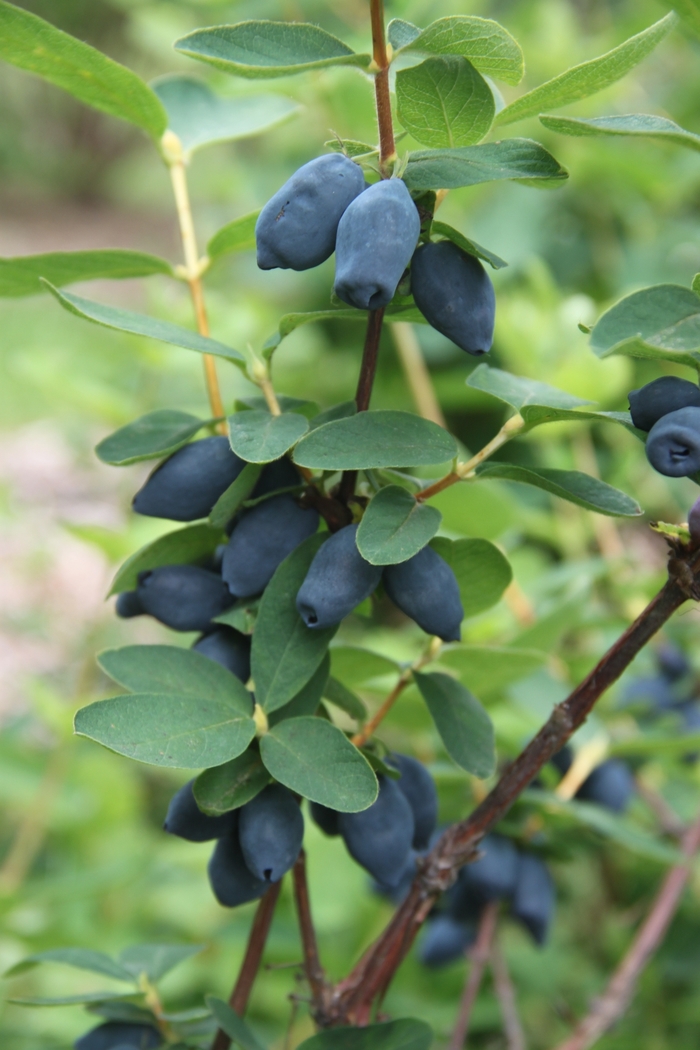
<point>454,293</point>
<point>231,880</point>
<point>419,789</point>
<point>445,940</point>
<point>533,900</point>
<point>227,647</point>
<point>379,838</point>
<point>186,820</point>
<point>270,831</point>
<point>673,445</point>
<point>120,1035</point>
<point>261,540</point>
<point>338,579</point>
<point>658,398</point>
<point>183,597</point>
<point>426,589</point>
<point>187,485</point>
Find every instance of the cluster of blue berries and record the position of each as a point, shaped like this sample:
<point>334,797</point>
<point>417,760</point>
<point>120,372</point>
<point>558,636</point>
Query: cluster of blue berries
<point>668,409</point>
<point>374,231</point>
<point>673,690</point>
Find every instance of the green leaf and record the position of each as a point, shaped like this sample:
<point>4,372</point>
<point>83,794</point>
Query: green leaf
<point>303,406</point>
<point>537,415</point>
<point>486,44</point>
<point>517,391</point>
<point>570,485</point>
<point>242,615</point>
<point>406,1034</point>
<point>156,434</point>
<point>269,49</point>
<point>689,10</point>
<point>444,101</point>
<point>289,322</point>
<point>375,439</point>
<point>155,960</point>
<point>80,958</point>
<point>122,1010</point>
<point>341,411</point>
<point>233,1025</point>
<point>81,999</point>
<point>171,669</point>
<point>441,229</point>
<point>187,546</point>
<point>656,744</point>
<point>236,236</point>
<point>639,124</point>
<point>395,527</point>
<point>351,147</point>
<point>482,572</point>
<point>401,33</point>
<point>200,118</point>
<point>345,699</point>
<point>230,786</point>
<point>469,165</point>
<point>140,324</point>
<point>488,670</point>
<point>307,699</point>
<point>31,43</point>
<point>180,731</point>
<point>235,495</point>
<point>316,760</point>
<point>285,652</point>
<point>589,77</point>
<point>259,437</point>
<point>20,275</point>
<point>463,725</point>
<point>350,663</point>
<point>660,323</point>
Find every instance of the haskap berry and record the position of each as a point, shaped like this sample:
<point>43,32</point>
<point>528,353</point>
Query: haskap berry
<point>445,940</point>
<point>339,578</point>
<point>655,400</point>
<point>228,647</point>
<point>534,897</point>
<point>611,784</point>
<point>380,838</point>
<point>270,832</point>
<point>455,295</point>
<point>325,818</point>
<point>261,540</point>
<point>186,820</point>
<point>120,1035</point>
<point>417,785</point>
<point>673,444</point>
<point>128,605</point>
<point>184,597</point>
<point>186,486</point>
<point>231,879</point>
<point>297,227</point>
<point>377,236</point>
<point>426,589</point>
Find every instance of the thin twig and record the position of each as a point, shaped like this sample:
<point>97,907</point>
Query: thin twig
<point>405,679</point>
<point>416,372</point>
<point>251,960</point>
<point>479,956</point>
<point>312,964</point>
<point>374,971</point>
<point>365,382</point>
<point>610,1007</point>
<point>467,471</point>
<point>387,146</point>
<point>668,820</point>
<point>505,993</point>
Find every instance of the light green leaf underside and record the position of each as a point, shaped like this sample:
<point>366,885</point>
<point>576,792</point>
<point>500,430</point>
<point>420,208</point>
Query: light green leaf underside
<point>486,44</point>
<point>235,495</point>
<point>289,322</point>
<point>461,721</point>
<point>80,958</point>
<point>375,439</point>
<point>233,1025</point>
<point>183,547</point>
<point>589,77</point>
<point>571,485</point>
<point>140,324</point>
<point>315,759</point>
<point>401,33</point>
<point>482,571</point>
<point>517,391</point>
<point>268,49</point>
<point>230,786</point>
<point>345,699</point>
<point>236,236</point>
<point>182,732</point>
<point>19,276</point>
<point>659,323</point>
<point>285,652</point>
<point>155,960</point>
<point>488,670</point>
<point>71,1000</point>
<point>355,666</point>
<point>444,102</point>
<point>259,437</point>
<point>491,161</point>
<point>171,669</point>
<point>154,435</point>
<point>201,118</point>
<point>441,229</point>
<point>395,527</point>
<point>634,124</point>
<point>31,43</point>
<point>406,1034</point>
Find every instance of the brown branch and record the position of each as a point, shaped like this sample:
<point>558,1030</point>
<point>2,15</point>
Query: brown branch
<point>312,964</point>
<point>365,382</point>
<point>479,956</point>
<point>610,1007</point>
<point>251,961</point>
<point>387,146</point>
<point>372,975</point>
<point>505,993</point>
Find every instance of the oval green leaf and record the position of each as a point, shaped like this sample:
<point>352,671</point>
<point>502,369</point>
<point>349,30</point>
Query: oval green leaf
<point>19,276</point>
<point>395,527</point>
<point>491,161</point>
<point>463,724</point>
<point>441,229</point>
<point>268,49</point>
<point>154,435</point>
<point>315,759</point>
<point>182,732</point>
<point>660,323</point>
<point>187,546</point>
<point>444,102</point>
<point>482,571</point>
<point>236,236</point>
<point>518,391</point>
<point>641,125</point>
<point>489,669</point>
<point>80,958</point>
<point>406,1034</point>
<point>259,437</point>
<point>486,44</point>
<point>155,960</point>
<point>307,699</point>
<point>571,485</point>
<point>230,786</point>
<point>237,493</point>
<point>375,439</point>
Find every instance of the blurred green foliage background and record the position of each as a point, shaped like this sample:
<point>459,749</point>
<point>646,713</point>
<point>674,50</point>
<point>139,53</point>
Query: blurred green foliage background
<point>85,860</point>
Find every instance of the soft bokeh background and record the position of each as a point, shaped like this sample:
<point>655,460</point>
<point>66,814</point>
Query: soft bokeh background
<point>85,862</point>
